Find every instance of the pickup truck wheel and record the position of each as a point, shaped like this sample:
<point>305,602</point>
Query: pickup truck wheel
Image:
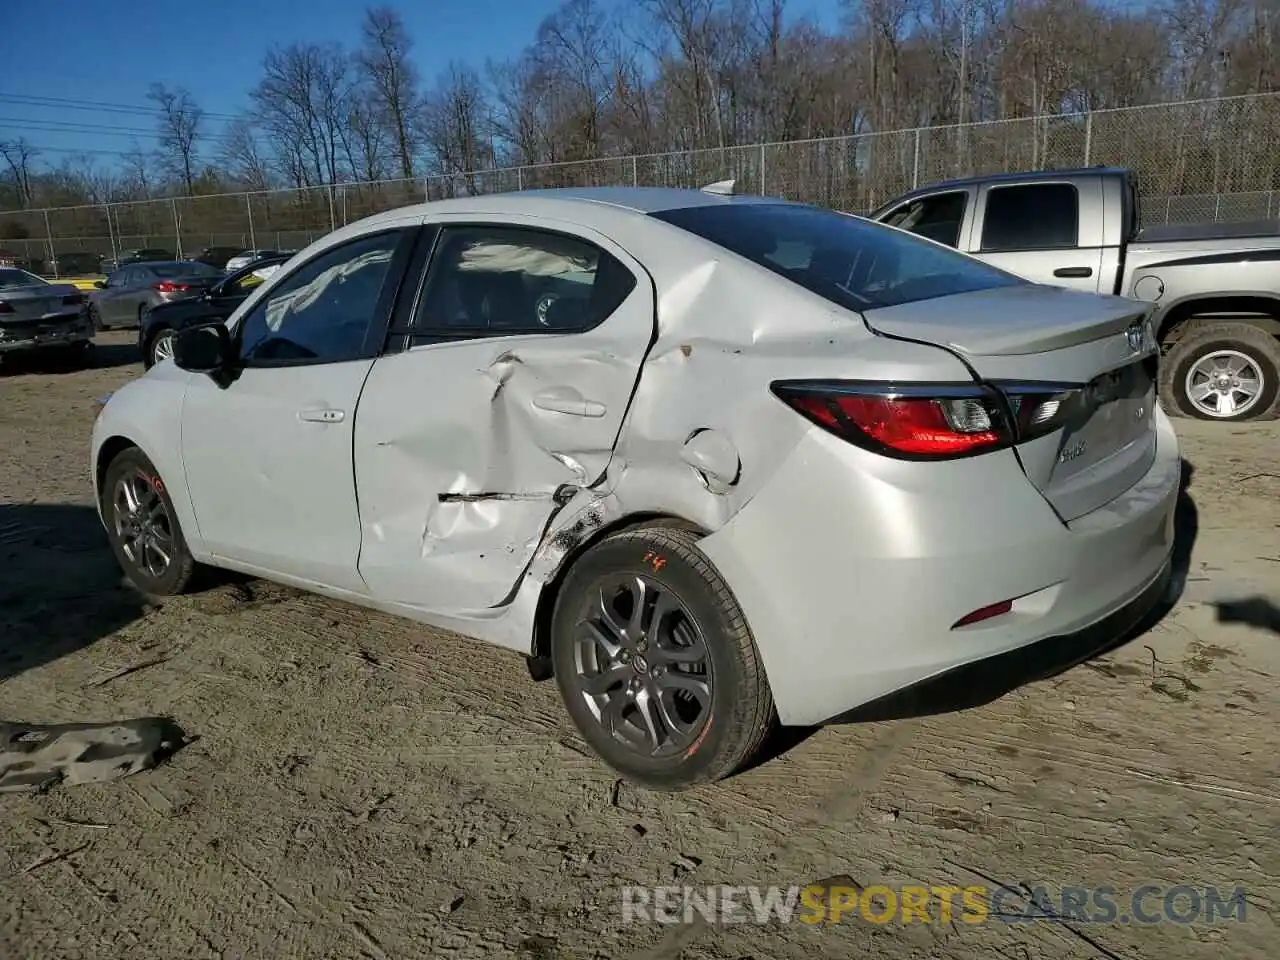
<point>1223,371</point>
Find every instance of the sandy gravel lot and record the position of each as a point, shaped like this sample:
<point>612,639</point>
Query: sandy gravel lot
<point>364,787</point>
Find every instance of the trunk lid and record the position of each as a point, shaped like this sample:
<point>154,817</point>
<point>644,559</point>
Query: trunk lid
<point>1095,355</point>
<point>29,304</point>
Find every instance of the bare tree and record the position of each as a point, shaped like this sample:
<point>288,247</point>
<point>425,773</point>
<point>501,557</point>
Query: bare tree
<point>242,157</point>
<point>386,67</point>
<point>179,131</point>
<point>455,124</point>
<point>303,102</point>
<point>20,155</point>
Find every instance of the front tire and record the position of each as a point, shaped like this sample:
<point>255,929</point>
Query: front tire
<point>1223,371</point>
<point>95,319</point>
<point>656,663</point>
<point>161,347</point>
<point>143,527</point>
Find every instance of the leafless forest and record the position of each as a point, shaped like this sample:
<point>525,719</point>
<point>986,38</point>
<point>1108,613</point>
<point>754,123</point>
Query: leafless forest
<point>607,79</point>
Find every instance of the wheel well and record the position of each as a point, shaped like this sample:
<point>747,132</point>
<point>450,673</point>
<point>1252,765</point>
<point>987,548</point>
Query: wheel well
<point>551,593</point>
<point>1262,312</point>
<point>110,449</point>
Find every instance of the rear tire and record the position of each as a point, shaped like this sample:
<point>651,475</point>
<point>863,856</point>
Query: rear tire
<point>656,663</point>
<point>1223,371</point>
<point>143,527</point>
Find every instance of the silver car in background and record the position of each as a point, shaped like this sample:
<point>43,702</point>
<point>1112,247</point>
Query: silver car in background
<point>132,290</point>
<point>36,314</point>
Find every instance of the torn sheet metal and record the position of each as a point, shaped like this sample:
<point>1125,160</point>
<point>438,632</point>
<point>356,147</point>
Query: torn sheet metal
<point>38,756</point>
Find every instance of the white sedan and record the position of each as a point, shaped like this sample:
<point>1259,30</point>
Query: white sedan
<point>715,462</point>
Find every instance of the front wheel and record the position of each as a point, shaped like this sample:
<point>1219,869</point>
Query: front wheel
<point>1223,371</point>
<point>143,526</point>
<point>161,347</point>
<point>656,663</point>
<point>95,319</point>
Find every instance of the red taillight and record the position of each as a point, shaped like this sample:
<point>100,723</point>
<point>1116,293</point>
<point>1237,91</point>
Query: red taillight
<point>913,423</point>
<point>168,286</point>
<point>73,299</point>
<point>984,613</point>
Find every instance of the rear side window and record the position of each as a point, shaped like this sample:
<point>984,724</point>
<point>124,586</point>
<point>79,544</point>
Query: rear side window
<point>1034,216</point>
<point>850,261</point>
<point>502,281</point>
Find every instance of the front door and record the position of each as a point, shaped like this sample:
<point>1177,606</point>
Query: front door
<point>526,348</point>
<point>268,458</point>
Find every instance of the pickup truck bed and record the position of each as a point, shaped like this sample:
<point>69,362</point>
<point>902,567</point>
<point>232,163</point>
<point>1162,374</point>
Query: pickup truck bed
<point>1243,230</point>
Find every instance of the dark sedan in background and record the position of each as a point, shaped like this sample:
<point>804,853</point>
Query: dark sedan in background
<point>38,315</point>
<point>155,334</point>
<point>124,297</point>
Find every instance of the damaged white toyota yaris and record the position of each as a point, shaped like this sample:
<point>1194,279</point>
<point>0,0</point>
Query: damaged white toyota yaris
<point>715,461</point>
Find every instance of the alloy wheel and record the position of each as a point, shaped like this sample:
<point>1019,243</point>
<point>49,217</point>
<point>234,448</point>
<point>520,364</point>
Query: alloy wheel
<point>142,523</point>
<point>642,666</point>
<point>162,346</point>
<point>1224,384</point>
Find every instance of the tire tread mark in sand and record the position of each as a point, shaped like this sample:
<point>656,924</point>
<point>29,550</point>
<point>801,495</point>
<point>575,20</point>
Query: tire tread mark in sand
<point>945,740</point>
<point>837,808</point>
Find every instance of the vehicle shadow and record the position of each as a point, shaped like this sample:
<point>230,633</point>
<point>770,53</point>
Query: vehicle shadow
<point>981,683</point>
<point>110,355</point>
<point>62,590</point>
<point>101,356</point>
<point>1251,611</point>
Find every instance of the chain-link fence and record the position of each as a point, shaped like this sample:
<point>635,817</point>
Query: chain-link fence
<point>1203,160</point>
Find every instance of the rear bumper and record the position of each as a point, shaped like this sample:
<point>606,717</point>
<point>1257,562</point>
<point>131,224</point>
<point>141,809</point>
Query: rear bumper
<point>56,331</point>
<point>852,569</point>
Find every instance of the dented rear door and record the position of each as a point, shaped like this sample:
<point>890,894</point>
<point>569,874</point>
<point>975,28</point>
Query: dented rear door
<point>508,394</point>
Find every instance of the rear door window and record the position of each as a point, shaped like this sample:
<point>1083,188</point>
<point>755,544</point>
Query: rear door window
<point>1032,216</point>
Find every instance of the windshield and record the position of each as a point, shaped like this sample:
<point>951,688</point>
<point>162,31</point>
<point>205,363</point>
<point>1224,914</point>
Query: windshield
<point>850,261</point>
<point>10,278</point>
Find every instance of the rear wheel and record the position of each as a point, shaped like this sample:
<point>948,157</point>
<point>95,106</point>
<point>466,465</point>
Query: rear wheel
<point>656,663</point>
<point>1223,371</point>
<point>143,526</point>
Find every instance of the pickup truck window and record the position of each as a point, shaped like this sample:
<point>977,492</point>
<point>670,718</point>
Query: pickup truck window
<point>937,217</point>
<point>1033,216</point>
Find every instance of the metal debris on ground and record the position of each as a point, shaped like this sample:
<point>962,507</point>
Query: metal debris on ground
<point>39,756</point>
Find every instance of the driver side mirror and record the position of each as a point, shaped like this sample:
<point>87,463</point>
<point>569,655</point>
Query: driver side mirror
<point>205,348</point>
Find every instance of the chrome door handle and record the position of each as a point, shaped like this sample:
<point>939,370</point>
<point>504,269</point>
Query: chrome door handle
<point>569,401</point>
<point>321,416</point>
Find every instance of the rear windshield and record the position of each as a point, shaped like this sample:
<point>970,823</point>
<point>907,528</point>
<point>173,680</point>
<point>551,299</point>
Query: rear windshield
<point>9,279</point>
<point>192,269</point>
<point>849,261</point>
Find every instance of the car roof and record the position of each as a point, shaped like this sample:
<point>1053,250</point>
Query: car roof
<point>550,201</point>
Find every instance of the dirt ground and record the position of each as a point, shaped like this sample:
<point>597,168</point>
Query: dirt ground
<point>365,787</point>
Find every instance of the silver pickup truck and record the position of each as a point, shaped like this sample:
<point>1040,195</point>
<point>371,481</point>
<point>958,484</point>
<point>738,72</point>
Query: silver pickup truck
<point>1215,287</point>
